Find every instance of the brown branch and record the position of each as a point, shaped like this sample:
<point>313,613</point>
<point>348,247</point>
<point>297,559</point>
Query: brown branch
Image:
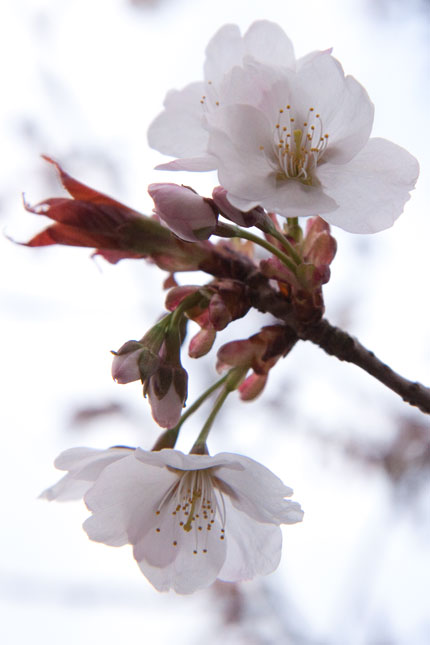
<point>346,348</point>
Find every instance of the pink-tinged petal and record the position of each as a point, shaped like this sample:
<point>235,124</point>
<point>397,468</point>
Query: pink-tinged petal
<point>124,500</point>
<point>267,43</point>
<point>178,131</point>
<point>259,493</point>
<point>346,112</point>
<point>224,51</point>
<point>189,571</point>
<point>252,548</point>
<point>372,189</point>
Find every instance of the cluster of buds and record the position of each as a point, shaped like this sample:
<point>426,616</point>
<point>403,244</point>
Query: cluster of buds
<point>174,238</point>
<point>222,301</point>
<point>155,360</point>
<point>259,353</point>
<point>303,288</point>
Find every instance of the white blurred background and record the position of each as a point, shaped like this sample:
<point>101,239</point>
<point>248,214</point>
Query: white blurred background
<point>81,81</point>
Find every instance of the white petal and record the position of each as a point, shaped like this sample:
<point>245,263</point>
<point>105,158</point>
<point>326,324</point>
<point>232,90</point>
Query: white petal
<point>73,457</point>
<point>344,105</point>
<point>290,198</point>
<point>66,489</point>
<point>193,164</point>
<point>252,548</point>
<point>372,188</point>
<point>180,461</point>
<point>189,571</point>
<point>259,493</point>
<point>124,500</point>
<point>267,43</point>
<point>178,130</point>
<point>85,465</point>
<point>242,140</point>
<point>224,51</point>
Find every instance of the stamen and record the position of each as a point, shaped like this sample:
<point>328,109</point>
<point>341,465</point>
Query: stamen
<point>297,151</point>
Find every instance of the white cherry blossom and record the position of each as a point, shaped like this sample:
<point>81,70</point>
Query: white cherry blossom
<point>190,518</point>
<point>289,135</point>
<point>180,129</point>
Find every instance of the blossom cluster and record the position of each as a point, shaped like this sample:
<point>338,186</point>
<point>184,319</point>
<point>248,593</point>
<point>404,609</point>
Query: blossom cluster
<point>289,138</point>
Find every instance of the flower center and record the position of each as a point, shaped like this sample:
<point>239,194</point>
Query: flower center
<point>195,503</point>
<point>298,145</point>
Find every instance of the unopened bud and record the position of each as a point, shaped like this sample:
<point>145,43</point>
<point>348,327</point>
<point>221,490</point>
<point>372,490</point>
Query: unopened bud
<point>202,342</point>
<point>125,365</point>
<point>252,386</point>
<point>219,195</point>
<point>185,213</point>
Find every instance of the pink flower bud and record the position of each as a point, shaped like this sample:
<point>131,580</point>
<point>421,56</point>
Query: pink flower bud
<point>185,213</point>
<point>252,386</point>
<point>202,342</point>
<point>319,247</point>
<point>167,392</point>
<point>219,195</point>
<point>125,365</point>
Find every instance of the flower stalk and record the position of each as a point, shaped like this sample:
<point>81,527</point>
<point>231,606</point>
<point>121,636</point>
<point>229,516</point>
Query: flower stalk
<point>227,230</point>
<point>232,381</point>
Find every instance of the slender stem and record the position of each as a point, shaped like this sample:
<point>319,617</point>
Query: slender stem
<point>293,229</point>
<point>235,231</point>
<point>346,348</point>
<point>286,244</point>
<point>197,403</point>
<point>201,439</point>
<point>267,226</point>
<point>232,380</point>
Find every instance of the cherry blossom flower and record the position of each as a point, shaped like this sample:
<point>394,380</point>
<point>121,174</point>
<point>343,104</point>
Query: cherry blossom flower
<point>289,135</point>
<point>190,518</point>
<point>180,131</point>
